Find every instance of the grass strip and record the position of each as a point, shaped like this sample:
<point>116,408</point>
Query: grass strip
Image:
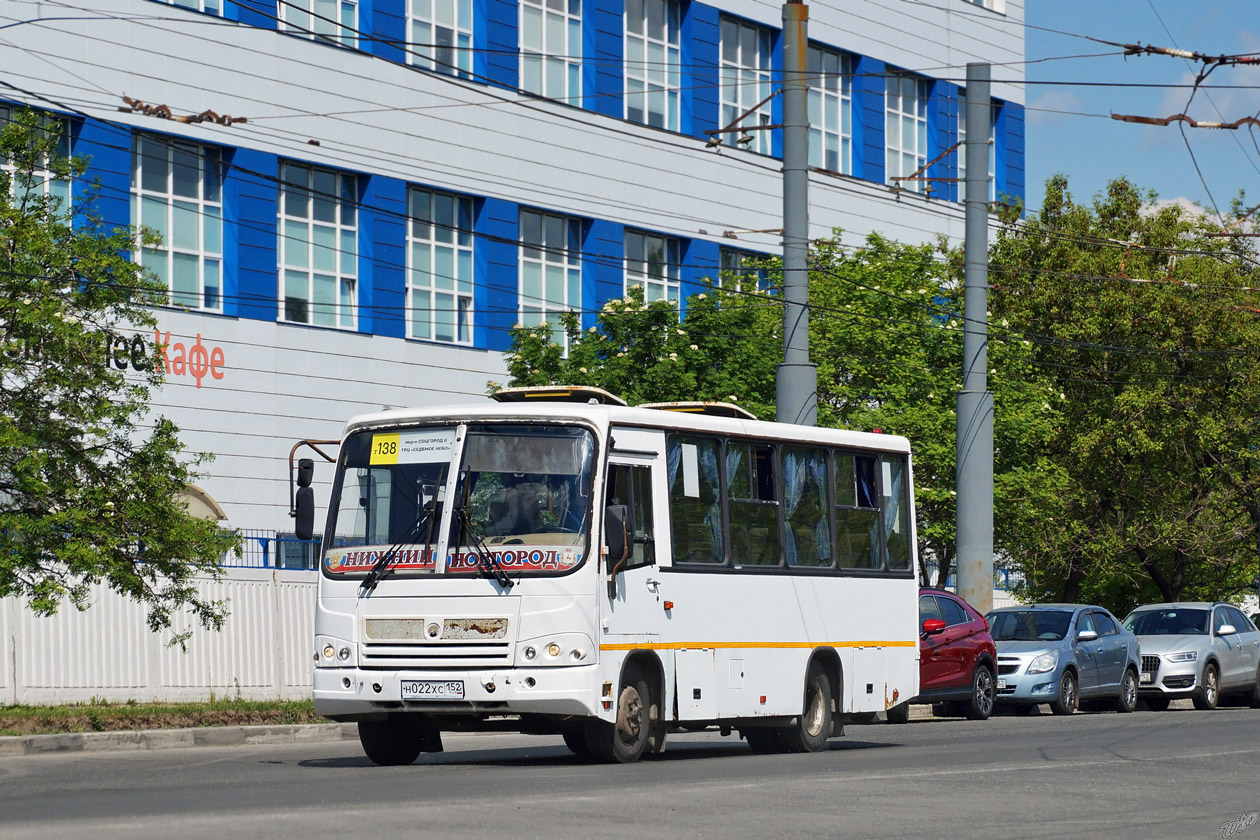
<point>97,716</point>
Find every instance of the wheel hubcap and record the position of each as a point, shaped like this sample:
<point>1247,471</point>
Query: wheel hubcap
<point>1209,688</point>
<point>814,713</point>
<point>1130,691</point>
<point>629,715</point>
<point>1069,693</point>
<point>984,691</point>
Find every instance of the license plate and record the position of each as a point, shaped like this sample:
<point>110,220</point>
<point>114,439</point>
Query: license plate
<point>433,689</point>
<point>1148,677</point>
<point>1001,684</point>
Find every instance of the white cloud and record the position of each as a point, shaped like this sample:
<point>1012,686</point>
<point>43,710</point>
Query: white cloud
<point>1053,107</point>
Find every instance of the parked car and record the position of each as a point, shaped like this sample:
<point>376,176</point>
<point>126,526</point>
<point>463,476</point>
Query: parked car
<point>1063,654</point>
<point>1198,650</point>
<point>957,659</point>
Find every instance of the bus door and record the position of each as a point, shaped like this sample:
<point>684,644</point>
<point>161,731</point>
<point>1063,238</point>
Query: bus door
<point>633,605</point>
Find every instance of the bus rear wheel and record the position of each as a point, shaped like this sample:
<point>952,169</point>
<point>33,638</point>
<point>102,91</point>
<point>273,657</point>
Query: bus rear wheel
<point>399,739</point>
<point>624,740</point>
<point>813,726</point>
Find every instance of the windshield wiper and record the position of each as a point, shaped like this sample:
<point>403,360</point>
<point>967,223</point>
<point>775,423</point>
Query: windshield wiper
<point>486,562</point>
<point>382,565</point>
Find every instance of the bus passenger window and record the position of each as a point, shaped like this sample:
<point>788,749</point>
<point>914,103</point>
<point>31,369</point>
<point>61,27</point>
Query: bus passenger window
<point>806,517</point>
<point>695,511</point>
<point>754,510</point>
<point>857,516</point>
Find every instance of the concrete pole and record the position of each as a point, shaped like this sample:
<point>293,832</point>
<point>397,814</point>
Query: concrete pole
<point>975,401</point>
<point>796,379</point>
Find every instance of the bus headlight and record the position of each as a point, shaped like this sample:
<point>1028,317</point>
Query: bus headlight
<point>328,651</point>
<point>559,649</point>
<point>553,649</point>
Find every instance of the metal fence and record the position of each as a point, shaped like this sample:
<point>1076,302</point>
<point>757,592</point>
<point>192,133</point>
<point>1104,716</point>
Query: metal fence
<point>1004,580</point>
<point>261,549</point>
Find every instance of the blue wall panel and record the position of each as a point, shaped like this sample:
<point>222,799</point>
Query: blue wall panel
<point>607,43</point>
<point>382,257</point>
<point>946,100</point>
<point>495,255</point>
<point>386,22</point>
<point>699,56</point>
<point>868,119</point>
<point>497,30</point>
<point>108,148</point>
<point>250,204</point>
<point>701,261</point>
<point>260,13</point>
<point>603,277</point>
<point>1012,148</point>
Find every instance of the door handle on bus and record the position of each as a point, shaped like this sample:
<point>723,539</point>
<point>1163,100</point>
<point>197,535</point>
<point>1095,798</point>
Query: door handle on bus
<point>652,584</point>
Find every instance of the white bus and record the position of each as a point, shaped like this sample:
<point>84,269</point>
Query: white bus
<point>557,562</point>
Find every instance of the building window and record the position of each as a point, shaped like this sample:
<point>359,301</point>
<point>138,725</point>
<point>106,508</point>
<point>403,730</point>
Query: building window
<point>42,181</point>
<point>830,110</point>
<point>332,21</point>
<point>746,53</point>
<point>176,193</point>
<point>652,261</point>
<point>905,129</point>
<point>441,35</point>
<point>551,48</point>
<point>998,6</point>
<point>211,7</point>
<point>743,266</point>
<point>440,266</point>
<point>962,148</point>
<point>652,62</point>
<point>551,269</point>
<point>318,249</point>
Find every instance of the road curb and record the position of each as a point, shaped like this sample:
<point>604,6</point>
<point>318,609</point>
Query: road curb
<point>161,739</point>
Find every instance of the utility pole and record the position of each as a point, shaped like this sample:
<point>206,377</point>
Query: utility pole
<point>796,379</point>
<point>975,401</point>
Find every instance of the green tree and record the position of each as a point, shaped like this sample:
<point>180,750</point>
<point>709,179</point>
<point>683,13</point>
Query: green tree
<point>90,483</point>
<point>887,339</point>
<point>1147,322</point>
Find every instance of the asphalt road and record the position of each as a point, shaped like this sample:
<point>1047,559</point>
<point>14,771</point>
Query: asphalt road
<point>1176,774</point>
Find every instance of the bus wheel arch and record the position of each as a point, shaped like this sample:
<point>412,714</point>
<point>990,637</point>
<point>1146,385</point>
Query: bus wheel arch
<point>814,724</point>
<point>829,660</point>
<point>636,708</point>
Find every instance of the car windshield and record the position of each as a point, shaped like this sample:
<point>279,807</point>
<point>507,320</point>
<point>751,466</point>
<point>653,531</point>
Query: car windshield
<point>1168,622</point>
<point>1029,625</point>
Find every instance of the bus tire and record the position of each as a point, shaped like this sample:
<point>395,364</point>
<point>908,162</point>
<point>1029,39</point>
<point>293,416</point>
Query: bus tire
<point>623,741</point>
<point>813,725</point>
<point>398,740</point>
<point>763,740</point>
<point>899,713</point>
<point>575,740</point>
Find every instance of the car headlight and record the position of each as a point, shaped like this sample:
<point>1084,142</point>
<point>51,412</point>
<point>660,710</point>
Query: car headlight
<point>1184,656</point>
<point>1045,662</point>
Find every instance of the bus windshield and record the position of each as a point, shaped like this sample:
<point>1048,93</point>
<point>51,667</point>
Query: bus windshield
<point>522,494</point>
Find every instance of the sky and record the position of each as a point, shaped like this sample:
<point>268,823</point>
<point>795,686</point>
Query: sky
<point>1069,127</point>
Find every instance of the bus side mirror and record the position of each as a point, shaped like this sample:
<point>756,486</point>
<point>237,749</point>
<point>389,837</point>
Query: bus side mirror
<point>617,542</point>
<point>304,501</point>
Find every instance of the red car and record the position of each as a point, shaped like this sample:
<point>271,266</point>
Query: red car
<point>957,660</point>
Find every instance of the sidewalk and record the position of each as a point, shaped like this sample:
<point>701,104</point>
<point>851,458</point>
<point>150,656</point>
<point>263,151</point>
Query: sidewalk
<point>160,739</point>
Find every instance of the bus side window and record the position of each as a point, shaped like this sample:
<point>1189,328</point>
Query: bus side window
<point>695,500</point>
<point>754,510</point>
<point>632,486</point>
<point>857,514</point>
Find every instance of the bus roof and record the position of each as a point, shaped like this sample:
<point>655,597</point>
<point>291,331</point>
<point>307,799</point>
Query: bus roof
<point>604,416</point>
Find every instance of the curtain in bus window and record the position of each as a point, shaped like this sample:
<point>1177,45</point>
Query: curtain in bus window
<point>896,529</point>
<point>754,509</point>
<point>807,531</point>
<point>695,500</point>
<point>857,514</point>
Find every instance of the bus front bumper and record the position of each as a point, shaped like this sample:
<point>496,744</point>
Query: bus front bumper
<point>352,693</point>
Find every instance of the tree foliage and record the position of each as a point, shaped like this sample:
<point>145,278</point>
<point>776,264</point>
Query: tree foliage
<point>1148,325</point>
<point>90,484</point>
<point>884,332</point>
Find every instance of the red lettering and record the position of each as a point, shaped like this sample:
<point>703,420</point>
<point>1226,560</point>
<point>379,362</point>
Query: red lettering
<point>160,343</point>
<point>178,367</point>
<point>198,361</point>
<point>216,360</point>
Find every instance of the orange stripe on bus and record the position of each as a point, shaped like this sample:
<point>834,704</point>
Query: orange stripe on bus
<point>702,645</point>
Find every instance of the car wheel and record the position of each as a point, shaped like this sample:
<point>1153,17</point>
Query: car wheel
<point>1127,701</point>
<point>899,713</point>
<point>813,725</point>
<point>1210,692</point>
<point>1253,699</point>
<point>983,692</point>
<point>1157,704</point>
<point>1065,703</point>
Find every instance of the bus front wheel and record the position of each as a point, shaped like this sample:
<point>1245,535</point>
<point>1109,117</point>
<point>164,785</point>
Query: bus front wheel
<point>399,739</point>
<point>624,740</point>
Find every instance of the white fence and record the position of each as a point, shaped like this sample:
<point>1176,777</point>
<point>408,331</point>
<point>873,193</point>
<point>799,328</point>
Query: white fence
<point>107,652</point>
